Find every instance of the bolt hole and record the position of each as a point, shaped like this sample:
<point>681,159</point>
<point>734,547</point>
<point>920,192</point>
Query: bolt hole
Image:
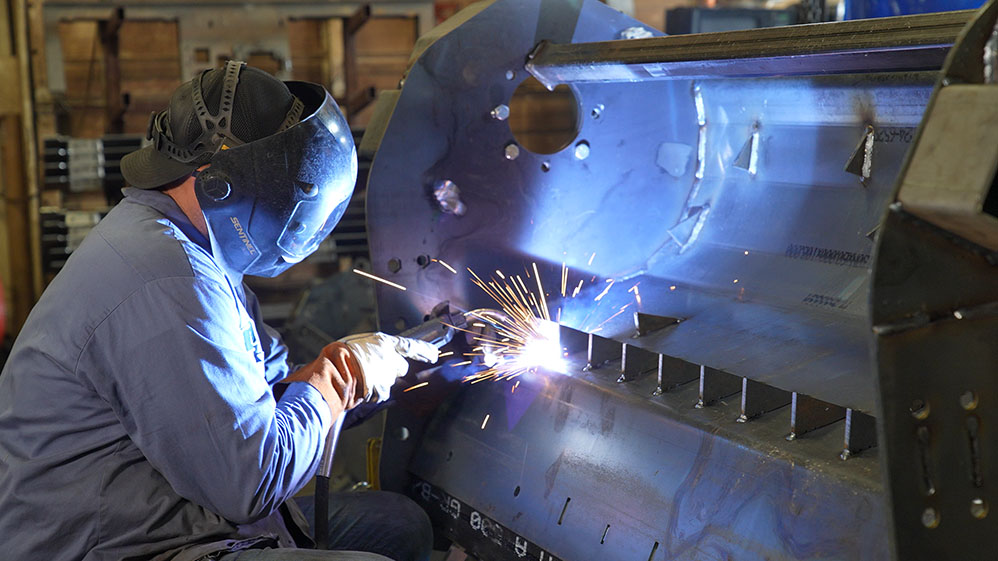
<point>919,409</point>
<point>516,492</point>
<point>930,518</point>
<point>394,265</point>
<point>968,400</point>
<point>978,508</point>
<point>545,167</point>
<point>402,433</point>
<point>423,260</point>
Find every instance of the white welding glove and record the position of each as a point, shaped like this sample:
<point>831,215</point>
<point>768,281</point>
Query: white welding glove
<point>382,359</point>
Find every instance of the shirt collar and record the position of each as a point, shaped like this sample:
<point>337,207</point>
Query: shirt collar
<point>168,208</point>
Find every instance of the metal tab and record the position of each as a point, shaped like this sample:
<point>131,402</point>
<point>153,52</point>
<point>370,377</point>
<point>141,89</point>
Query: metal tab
<point>635,362</point>
<point>716,385</point>
<point>572,340</point>
<point>861,161</point>
<point>647,323</point>
<point>759,398</point>
<point>748,157</point>
<point>861,433</point>
<point>808,414</point>
<point>602,351</point>
<point>674,372</point>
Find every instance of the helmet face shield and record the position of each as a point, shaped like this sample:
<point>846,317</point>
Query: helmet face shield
<point>271,202</point>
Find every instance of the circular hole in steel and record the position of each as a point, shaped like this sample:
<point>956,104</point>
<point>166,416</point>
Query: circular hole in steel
<point>545,167</point>
<point>516,492</point>
<point>423,260</point>
<point>543,121</point>
<point>930,517</point>
<point>968,400</point>
<point>978,508</point>
<point>394,265</point>
<point>919,409</point>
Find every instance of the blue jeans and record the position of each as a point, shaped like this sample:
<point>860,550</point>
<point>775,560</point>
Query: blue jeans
<point>376,522</point>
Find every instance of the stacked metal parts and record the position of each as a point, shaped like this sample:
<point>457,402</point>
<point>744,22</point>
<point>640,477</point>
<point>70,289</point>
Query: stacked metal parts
<point>79,165</point>
<point>62,232</point>
<point>85,164</point>
<point>785,245</point>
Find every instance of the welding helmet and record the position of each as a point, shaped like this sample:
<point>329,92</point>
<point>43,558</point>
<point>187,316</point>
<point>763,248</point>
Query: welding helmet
<point>271,199</point>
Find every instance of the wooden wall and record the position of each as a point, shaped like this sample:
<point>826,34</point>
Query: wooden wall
<point>150,62</point>
<point>381,49</point>
<point>149,58</point>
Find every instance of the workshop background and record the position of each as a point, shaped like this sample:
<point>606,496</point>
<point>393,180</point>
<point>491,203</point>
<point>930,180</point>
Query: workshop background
<point>80,80</point>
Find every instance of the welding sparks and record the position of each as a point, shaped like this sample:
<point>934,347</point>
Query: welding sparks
<point>540,291</point>
<point>416,387</point>
<point>448,353</point>
<point>519,339</point>
<point>637,294</point>
<point>379,279</point>
<point>564,278</point>
<point>486,421</point>
<point>591,257</point>
<point>605,290</point>
<point>444,265</point>
<point>577,289</point>
<point>607,320</point>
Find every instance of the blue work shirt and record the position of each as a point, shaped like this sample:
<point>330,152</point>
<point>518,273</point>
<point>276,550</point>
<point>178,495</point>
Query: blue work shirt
<point>137,411</point>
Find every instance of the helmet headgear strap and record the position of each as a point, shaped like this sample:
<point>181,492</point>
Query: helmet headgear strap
<point>215,129</point>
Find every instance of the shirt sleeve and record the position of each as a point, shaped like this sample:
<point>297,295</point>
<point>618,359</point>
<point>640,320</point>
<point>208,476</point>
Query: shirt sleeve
<point>275,352</point>
<point>172,362</point>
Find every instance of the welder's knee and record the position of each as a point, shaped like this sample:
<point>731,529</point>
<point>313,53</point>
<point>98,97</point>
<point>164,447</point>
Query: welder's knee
<point>381,522</point>
<point>414,533</point>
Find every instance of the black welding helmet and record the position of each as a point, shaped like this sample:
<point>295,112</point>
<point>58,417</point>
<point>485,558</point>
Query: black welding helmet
<point>270,203</point>
<point>269,198</point>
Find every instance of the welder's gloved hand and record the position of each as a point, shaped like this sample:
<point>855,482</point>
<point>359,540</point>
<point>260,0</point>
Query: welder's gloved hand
<point>382,359</point>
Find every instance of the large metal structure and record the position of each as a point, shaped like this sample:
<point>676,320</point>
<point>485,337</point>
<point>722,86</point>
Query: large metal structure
<point>800,228</point>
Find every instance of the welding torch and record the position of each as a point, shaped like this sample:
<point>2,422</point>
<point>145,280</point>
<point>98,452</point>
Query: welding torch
<point>438,332</point>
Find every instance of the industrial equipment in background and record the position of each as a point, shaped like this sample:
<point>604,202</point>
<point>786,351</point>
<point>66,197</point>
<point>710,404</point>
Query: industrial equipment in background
<point>85,164</point>
<point>682,21</point>
<point>772,256</point>
<point>862,9</point>
<point>105,67</point>
<point>81,167</point>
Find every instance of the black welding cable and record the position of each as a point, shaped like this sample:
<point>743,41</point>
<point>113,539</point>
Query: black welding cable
<point>321,521</point>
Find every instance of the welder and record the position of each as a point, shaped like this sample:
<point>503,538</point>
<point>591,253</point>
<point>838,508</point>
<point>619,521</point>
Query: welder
<point>146,411</point>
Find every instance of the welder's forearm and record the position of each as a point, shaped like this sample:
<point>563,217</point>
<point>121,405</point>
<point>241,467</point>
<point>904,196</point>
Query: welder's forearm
<point>302,421</point>
<point>282,461</point>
